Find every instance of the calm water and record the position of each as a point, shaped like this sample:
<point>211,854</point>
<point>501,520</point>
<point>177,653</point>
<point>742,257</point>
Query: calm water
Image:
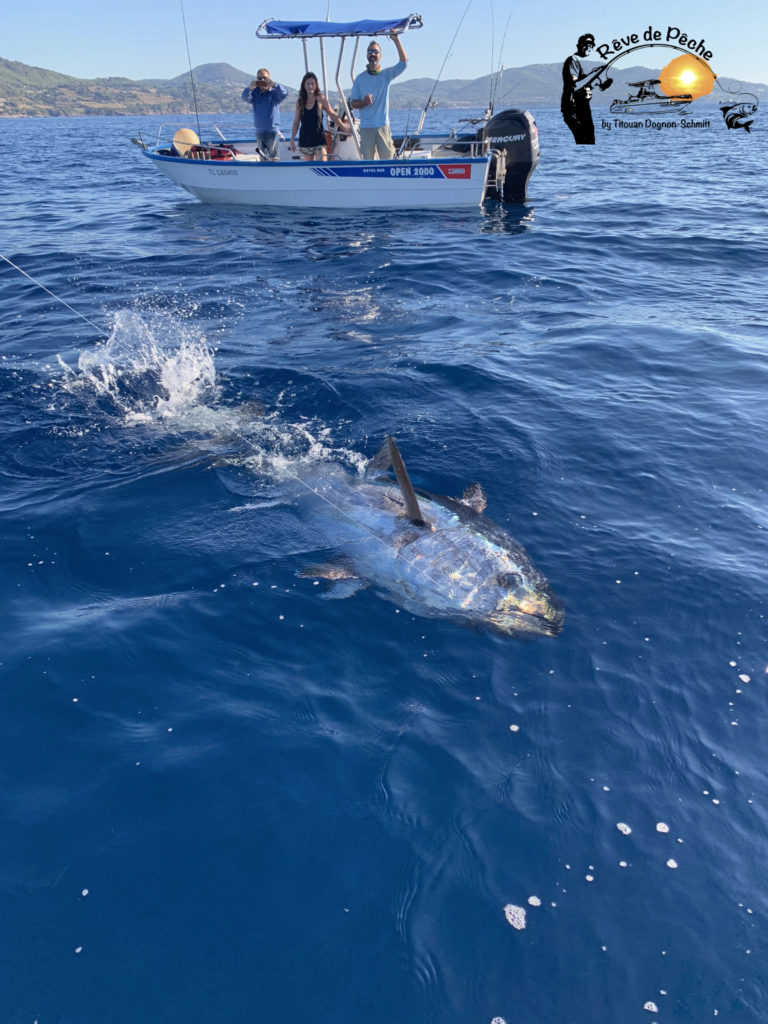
<point>227,798</point>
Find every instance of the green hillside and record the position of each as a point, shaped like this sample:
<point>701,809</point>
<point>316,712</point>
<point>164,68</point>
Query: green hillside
<point>35,92</point>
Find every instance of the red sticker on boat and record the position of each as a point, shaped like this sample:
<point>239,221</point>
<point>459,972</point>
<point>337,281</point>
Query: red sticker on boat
<point>456,170</point>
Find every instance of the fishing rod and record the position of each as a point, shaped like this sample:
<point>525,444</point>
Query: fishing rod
<point>593,75</point>
<point>189,61</point>
<point>54,296</point>
<point>447,55</point>
<point>496,80</point>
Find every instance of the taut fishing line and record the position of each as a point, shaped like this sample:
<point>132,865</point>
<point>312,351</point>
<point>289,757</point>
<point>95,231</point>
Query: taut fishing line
<point>54,296</point>
<point>246,441</point>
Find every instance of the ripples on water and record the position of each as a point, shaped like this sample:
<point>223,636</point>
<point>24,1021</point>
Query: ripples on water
<point>225,796</point>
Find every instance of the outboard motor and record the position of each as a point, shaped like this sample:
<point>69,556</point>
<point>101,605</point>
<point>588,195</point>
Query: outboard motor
<point>514,132</point>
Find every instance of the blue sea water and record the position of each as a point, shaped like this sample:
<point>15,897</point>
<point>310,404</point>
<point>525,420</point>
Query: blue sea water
<point>225,797</point>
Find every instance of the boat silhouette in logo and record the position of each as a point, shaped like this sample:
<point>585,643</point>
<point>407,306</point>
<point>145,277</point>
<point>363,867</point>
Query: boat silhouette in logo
<point>647,101</point>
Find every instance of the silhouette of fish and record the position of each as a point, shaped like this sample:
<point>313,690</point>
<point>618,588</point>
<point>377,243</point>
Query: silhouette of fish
<point>736,115</point>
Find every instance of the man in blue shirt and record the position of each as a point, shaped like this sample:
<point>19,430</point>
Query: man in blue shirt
<point>265,96</point>
<point>370,95</point>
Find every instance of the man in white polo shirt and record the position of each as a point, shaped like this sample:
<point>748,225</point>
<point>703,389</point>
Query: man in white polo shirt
<point>370,95</point>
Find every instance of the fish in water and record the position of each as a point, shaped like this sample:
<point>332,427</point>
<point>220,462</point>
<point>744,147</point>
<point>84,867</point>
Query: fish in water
<point>739,115</point>
<point>432,555</point>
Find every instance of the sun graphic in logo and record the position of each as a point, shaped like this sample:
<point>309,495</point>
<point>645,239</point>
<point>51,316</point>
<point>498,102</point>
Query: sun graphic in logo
<point>687,74</point>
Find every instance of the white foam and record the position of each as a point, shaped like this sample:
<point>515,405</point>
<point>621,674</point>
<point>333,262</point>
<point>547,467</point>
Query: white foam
<point>623,828</point>
<point>515,916</point>
<point>534,901</point>
<point>662,826</point>
<point>149,371</point>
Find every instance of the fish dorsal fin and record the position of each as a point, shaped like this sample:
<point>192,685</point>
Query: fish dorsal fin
<point>475,497</point>
<point>406,487</point>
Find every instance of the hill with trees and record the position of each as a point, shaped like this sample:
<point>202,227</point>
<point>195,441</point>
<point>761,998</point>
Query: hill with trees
<point>27,91</point>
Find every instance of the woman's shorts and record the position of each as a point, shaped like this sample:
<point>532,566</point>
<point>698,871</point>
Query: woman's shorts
<point>312,152</point>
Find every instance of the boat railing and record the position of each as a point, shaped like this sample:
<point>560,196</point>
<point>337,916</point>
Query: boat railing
<point>219,137</point>
<point>446,145</point>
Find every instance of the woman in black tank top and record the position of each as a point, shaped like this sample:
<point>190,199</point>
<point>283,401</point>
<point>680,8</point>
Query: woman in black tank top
<point>309,119</point>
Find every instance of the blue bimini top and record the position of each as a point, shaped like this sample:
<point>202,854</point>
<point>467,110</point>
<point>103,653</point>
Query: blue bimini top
<point>271,29</point>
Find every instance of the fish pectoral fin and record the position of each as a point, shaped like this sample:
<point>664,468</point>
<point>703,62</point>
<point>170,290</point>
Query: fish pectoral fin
<point>338,570</point>
<point>340,590</point>
<point>475,498</point>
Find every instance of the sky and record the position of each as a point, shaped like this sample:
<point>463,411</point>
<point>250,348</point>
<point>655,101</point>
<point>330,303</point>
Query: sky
<point>145,38</point>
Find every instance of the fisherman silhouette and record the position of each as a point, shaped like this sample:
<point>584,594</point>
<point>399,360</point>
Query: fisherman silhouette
<point>577,93</point>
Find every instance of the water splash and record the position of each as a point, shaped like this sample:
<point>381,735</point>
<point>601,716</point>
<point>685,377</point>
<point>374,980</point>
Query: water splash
<point>157,370</point>
<point>143,374</point>
<point>282,450</point>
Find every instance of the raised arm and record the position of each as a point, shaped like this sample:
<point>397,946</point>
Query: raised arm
<point>400,51</point>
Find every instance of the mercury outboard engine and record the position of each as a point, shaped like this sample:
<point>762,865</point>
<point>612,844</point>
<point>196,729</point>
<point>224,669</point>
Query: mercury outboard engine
<point>513,132</point>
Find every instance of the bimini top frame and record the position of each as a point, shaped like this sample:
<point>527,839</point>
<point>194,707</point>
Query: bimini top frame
<point>321,30</point>
<point>272,29</point>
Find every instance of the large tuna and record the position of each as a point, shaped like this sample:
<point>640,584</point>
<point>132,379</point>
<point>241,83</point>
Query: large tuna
<point>432,555</point>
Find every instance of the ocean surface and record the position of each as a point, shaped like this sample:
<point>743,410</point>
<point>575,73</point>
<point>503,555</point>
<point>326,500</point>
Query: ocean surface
<point>227,797</point>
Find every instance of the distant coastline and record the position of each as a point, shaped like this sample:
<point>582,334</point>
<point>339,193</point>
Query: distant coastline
<point>27,91</point>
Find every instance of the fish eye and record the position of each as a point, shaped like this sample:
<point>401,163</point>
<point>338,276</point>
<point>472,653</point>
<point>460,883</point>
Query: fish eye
<point>509,580</point>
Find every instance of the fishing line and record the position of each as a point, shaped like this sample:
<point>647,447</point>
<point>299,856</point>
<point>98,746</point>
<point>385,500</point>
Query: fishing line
<point>54,296</point>
<point>294,476</point>
<point>734,89</point>
<point>496,80</point>
<point>447,55</point>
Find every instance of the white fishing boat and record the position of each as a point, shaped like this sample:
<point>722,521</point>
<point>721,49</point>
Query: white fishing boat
<point>493,156</point>
<point>647,101</point>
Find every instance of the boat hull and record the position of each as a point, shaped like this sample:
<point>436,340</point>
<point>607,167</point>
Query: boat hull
<point>641,108</point>
<point>337,184</point>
